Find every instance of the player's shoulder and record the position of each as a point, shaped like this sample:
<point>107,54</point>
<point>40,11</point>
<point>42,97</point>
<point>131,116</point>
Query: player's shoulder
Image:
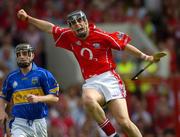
<point>93,27</point>
<point>43,71</point>
<point>40,69</point>
<point>120,36</point>
<point>97,30</point>
<point>37,68</point>
<point>13,74</point>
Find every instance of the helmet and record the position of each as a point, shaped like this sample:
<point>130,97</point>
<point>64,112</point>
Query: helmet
<point>75,15</point>
<point>24,46</point>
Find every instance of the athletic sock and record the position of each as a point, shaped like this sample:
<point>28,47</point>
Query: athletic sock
<point>107,127</point>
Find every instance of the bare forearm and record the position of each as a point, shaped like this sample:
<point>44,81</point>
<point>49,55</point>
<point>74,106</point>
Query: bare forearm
<point>48,98</point>
<point>134,51</point>
<point>2,105</point>
<point>40,24</point>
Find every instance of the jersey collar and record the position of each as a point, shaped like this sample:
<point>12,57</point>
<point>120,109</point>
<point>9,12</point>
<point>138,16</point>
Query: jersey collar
<point>92,26</point>
<point>34,67</point>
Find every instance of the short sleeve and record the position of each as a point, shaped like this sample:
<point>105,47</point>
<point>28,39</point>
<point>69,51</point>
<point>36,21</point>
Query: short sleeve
<point>60,36</point>
<point>119,40</point>
<point>49,84</point>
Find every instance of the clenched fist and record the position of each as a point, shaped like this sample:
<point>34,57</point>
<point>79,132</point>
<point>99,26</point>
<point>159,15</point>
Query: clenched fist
<point>32,98</point>
<point>22,15</point>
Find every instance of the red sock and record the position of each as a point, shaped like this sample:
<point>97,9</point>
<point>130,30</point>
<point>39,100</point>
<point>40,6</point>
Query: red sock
<point>107,127</point>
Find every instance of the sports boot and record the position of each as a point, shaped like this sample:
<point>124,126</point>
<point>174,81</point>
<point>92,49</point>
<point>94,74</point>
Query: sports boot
<point>116,135</point>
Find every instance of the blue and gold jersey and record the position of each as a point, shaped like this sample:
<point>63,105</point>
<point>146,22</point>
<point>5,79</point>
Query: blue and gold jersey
<point>17,86</point>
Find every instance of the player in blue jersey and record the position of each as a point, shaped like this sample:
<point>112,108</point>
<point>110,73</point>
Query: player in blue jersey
<point>29,88</point>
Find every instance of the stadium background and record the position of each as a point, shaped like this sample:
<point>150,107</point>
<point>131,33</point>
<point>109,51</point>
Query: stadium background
<point>152,101</point>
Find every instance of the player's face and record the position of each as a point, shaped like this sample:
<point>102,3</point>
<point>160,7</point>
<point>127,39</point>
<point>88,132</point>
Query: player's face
<point>24,58</point>
<point>80,27</point>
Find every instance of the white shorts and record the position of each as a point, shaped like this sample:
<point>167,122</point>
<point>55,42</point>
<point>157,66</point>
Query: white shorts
<point>24,128</point>
<point>108,83</point>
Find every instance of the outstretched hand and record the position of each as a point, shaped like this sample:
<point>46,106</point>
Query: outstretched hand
<point>150,58</point>
<point>22,15</point>
<point>147,57</point>
<point>153,58</point>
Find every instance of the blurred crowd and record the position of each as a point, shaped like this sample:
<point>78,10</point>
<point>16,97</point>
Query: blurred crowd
<point>151,104</point>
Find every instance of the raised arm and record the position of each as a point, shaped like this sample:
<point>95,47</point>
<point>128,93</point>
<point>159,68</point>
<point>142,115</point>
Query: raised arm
<point>136,52</point>
<point>41,24</point>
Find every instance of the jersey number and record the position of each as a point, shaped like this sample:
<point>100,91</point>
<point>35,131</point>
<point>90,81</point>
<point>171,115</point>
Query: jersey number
<point>83,50</point>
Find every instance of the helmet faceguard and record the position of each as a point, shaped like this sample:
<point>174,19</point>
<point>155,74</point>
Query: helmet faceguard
<point>24,48</point>
<point>75,16</point>
<point>77,21</point>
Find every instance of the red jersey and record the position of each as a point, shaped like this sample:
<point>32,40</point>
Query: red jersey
<point>94,54</point>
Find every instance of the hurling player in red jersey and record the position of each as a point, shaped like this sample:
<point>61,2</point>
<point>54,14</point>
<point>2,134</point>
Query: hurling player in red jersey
<point>92,48</point>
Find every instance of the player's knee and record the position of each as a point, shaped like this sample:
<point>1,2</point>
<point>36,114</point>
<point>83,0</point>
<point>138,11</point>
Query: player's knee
<point>89,102</point>
<point>125,123</point>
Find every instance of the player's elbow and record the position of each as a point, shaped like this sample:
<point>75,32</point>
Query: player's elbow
<point>56,99</point>
<point>49,28</point>
<point>53,98</point>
